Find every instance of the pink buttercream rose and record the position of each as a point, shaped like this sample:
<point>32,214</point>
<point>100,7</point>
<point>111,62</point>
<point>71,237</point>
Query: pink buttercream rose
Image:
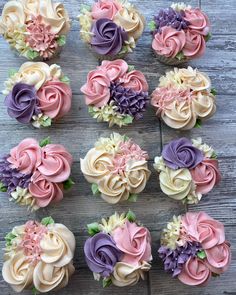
<point>195,273</point>
<point>55,99</point>
<point>198,20</point>
<point>206,175</point>
<point>200,227</point>
<point>169,42</point>
<point>135,80</point>
<point>96,89</point>
<point>44,191</point>
<point>26,156</point>
<point>114,69</point>
<point>105,9</point>
<point>195,45</point>
<point>134,241</point>
<point>219,258</point>
<point>56,163</point>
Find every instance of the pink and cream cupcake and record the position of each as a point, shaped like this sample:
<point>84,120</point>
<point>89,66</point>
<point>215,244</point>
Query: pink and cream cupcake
<point>111,27</point>
<point>35,29</point>
<point>180,33</point>
<point>194,248</point>
<point>39,256</point>
<point>35,174</point>
<point>118,251</point>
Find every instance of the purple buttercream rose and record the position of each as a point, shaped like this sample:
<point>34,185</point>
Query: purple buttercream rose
<point>101,254</point>
<point>108,38</point>
<point>22,102</point>
<point>181,153</point>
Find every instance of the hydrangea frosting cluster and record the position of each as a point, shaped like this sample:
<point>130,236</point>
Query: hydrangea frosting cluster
<point>117,168</point>
<point>194,248</point>
<point>38,94</point>
<point>111,27</point>
<point>36,29</point>
<point>35,174</point>
<point>184,98</point>
<point>119,250</point>
<point>180,32</point>
<point>39,256</point>
<point>116,93</point>
<point>188,169</point>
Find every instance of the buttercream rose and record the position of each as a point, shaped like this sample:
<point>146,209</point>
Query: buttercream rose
<point>206,175</point>
<point>134,241</point>
<point>55,99</point>
<point>134,80</point>
<point>194,79</point>
<point>22,102</point>
<point>204,229</point>
<point>101,254</point>
<point>114,69</point>
<point>204,104</point>
<point>195,45</point>
<point>26,157</point>
<point>108,38</point>
<point>198,20</point>
<point>169,42</point>
<point>105,9</point>
<point>56,163</point>
<point>96,89</point>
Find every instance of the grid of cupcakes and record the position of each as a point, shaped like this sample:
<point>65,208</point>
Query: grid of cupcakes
<point>37,94</point>
<point>39,256</point>
<point>119,250</point>
<point>36,30</point>
<point>194,248</point>
<point>111,27</point>
<point>187,170</point>
<point>180,33</point>
<point>184,98</point>
<point>116,93</point>
<point>117,168</point>
<point>35,174</point>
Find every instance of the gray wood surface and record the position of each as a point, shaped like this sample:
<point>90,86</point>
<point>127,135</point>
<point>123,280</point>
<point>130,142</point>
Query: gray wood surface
<point>78,130</point>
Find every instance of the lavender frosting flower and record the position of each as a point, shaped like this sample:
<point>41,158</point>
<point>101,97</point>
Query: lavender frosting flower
<point>181,153</point>
<point>101,254</point>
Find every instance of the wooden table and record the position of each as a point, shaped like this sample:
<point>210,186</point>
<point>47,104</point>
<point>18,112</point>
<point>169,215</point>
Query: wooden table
<point>78,131</point>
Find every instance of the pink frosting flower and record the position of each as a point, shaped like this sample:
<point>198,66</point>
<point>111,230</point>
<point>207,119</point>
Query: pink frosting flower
<point>44,191</point>
<point>200,227</point>
<point>105,9</point>
<point>114,69</point>
<point>26,156</point>
<point>55,99</point>
<point>198,20</point>
<point>134,241</point>
<point>134,80</point>
<point>206,175</point>
<point>195,273</point>
<point>195,45</point>
<point>169,42</point>
<point>56,163</point>
<point>96,89</point>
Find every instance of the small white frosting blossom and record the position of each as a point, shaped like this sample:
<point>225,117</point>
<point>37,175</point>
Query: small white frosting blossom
<point>180,6</point>
<point>159,164</point>
<point>108,225</point>
<point>207,150</point>
<point>110,144</point>
<point>171,234</point>
<point>24,198</point>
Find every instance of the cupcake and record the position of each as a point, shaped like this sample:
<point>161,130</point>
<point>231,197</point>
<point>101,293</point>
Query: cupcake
<point>194,249</point>
<point>35,174</point>
<point>39,256</point>
<point>117,168</point>
<point>35,29</point>
<point>111,27</point>
<point>184,98</point>
<point>187,170</point>
<point>180,33</point>
<point>118,250</point>
<point>37,94</point>
<point>116,93</point>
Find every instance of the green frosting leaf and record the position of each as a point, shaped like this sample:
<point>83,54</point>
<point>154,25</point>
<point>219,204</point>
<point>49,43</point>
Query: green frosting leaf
<point>133,198</point>
<point>12,72</point>
<point>214,155</point>
<point>65,79</point>
<point>45,141</point>
<point>68,184</point>
<point>9,237</point>
<point>106,282</point>
<point>198,124</point>
<point>93,228</point>
<point>35,291</point>
<point>128,119</point>
<point>31,54</point>
<point>3,188</point>
<point>130,68</point>
<point>85,8</point>
<point>152,25</point>
<point>213,91</point>
<point>47,220</point>
<point>131,216</point>
<point>201,254</point>
<point>61,41</point>
<point>208,37</point>
<point>46,122</point>
<point>180,56</point>
<point>95,190</point>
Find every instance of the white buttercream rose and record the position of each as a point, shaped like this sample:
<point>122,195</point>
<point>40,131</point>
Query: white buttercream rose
<point>204,104</point>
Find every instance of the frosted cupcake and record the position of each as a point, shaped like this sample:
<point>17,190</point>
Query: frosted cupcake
<point>117,168</point>
<point>194,248</point>
<point>118,251</point>
<point>111,27</point>
<point>35,29</point>
<point>184,98</point>
<point>37,94</point>
<point>180,33</point>
<point>39,256</point>
<point>187,170</point>
<point>35,174</point>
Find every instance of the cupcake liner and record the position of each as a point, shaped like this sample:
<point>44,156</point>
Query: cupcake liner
<point>171,61</point>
